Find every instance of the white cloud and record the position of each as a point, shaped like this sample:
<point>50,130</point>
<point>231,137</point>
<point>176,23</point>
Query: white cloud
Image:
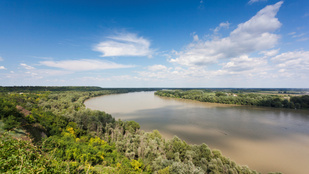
<point>292,33</point>
<point>157,68</point>
<point>195,37</point>
<point>270,53</point>
<point>84,65</point>
<point>2,67</point>
<point>173,73</point>
<point>303,39</point>
<point>201,6</point>
<point>1,59</point>
<point>253,1</point>
<point>50,72</point>
<point>237,67</point>
<point>110,78</point>
<point>297,61</point>
<point>298,35</point>
<point>26,66</point>
<point>222,25</point>
<point>244,64</point>
<point>34,76</point>
<point>251,36</point>
<point>127,44</point>
<point>168,73</point>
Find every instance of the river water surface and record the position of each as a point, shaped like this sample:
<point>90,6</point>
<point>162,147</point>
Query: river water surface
<point>265,139</point>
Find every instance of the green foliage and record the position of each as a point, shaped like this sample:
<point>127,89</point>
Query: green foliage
<point>219,94</point>
<point>136,165</point>
<point>69,148</point>
<point>11,122</point>
<point>155,134</point>
<point>254,99</point>
<point>164,171</point>
<point>19,156</point>
<point>175,154</point>
<point>68,138</point>
<point>131,126</point>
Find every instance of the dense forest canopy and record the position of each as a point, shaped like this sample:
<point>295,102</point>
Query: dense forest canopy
<point>57,134</point>
<point>241,97</point>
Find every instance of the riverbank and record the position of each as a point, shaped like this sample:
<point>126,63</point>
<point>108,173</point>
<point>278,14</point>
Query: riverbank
<point>80,140</point>
<point>239,98</point>
<point>247,134</point>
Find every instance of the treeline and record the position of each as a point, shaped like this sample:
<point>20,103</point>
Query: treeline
<point>253,99</point>
<point>68,138</point>
<point>69,88</point>
<point>48,88</point>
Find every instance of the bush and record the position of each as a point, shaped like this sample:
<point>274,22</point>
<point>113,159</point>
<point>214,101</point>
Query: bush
<point>11,122</point>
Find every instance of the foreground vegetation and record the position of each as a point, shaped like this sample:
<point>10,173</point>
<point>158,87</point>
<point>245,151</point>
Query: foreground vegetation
<point>68,138</point>
<point>240,98</point>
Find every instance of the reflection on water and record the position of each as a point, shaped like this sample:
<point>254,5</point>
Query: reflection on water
<point>265,139</point>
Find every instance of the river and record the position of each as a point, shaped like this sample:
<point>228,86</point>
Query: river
<point>265,139</point>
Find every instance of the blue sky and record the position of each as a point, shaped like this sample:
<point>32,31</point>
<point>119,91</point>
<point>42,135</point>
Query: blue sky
<point>155,43</point>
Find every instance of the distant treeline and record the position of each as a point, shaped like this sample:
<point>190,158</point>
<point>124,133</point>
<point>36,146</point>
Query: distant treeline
<point>254,99</point>
<point>95,88</point>
<point>246,90</point>
<point>68,138</point>
<point>68,88</point>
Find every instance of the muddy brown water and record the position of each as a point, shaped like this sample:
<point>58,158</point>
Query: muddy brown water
<point>265,139</point>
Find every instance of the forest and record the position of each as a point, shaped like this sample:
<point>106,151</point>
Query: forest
<point>44,131</point>
<point>240,97</point>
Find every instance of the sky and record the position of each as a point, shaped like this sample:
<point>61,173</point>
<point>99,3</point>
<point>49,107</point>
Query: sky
<point>155,43</point>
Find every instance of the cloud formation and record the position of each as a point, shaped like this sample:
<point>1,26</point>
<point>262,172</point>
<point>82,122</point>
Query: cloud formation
<point>2,67</point>
<point>84,65</point>
<point>270,53</point>
<point>251,36</point>
<point>222,25</point>
<point>26,66</point>
<point>244,64</point>
<point>299,37</point>
<point>293,63</point>
<point>161,72</point>
<point>157,68</point>
<point>253,1</point>
<point>127,44</point>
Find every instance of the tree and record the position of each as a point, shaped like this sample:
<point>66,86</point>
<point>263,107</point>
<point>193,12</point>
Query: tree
<point>218,94</point>
<point>11,122</point>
